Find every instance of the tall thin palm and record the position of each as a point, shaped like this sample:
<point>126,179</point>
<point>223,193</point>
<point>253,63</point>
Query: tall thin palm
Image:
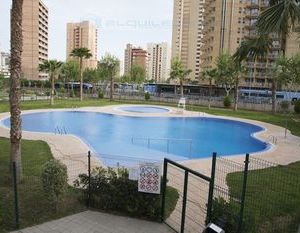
<point>210,75</point>
<point>81,53</point>
<point>52,67</point>
<point>110,64</point>
<point>15,90</point>
<point>257,49</point>
<point>280,18</point>
<point>179,72</point>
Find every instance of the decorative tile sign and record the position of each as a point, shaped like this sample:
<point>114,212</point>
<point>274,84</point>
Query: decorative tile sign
<point>149,178</point>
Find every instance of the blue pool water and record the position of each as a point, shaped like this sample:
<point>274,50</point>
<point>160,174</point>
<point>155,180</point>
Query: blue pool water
<point>128,136</point>
<point>144,109</point>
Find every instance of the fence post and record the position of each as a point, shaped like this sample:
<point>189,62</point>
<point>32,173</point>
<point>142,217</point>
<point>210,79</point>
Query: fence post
<point>89,174</point>
<point>186,179</point>
<point>163,190</point>
<point>16,196</point>
<point>211,189</point>
<point>243,194</point>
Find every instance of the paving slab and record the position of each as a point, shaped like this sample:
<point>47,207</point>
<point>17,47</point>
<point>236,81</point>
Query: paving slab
<point>96,222</point>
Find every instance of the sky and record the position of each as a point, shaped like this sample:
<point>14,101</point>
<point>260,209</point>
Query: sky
<point>118,21</point>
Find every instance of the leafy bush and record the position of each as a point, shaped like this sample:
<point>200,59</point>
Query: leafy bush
<point>227,102</point>
<point>54,180</point>
<point>100,94</point>
<point>297,106</point>
<point>111,190</point>
<point>147,96</point>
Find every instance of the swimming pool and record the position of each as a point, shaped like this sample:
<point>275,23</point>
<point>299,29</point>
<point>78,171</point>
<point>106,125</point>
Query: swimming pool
<point>150,137</point>
<point>144,109</point>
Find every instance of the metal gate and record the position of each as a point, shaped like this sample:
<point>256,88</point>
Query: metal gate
<point>194,194</point>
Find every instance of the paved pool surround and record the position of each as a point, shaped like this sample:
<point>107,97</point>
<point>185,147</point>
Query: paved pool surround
<point>68,148</point>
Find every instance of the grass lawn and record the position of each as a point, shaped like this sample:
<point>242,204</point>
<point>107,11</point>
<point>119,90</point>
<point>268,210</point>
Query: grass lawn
<point>34,207</point>
<point>273,198</point>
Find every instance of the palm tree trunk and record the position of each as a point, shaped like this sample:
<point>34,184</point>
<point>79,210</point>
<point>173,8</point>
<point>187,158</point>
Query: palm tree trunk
<point>15,90</point>
<point>209,93</point>
<point>52,90</point>
<point>236,94</point>
<point>81,79</point>
<point>111,87</point>
<point>181,88</point>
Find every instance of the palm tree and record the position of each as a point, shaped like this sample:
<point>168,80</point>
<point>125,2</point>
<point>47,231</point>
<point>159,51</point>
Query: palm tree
<point>52,67</point>
<point>179,72</point>
<point>15,90</point>
<point>109,64</point>
<point>256,49</point>
<point>280,18</point>
<point>210,75</point>
<point>81,53</point>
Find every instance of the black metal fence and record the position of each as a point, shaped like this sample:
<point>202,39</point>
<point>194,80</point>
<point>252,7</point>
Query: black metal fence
<point>249,195</point>
<point>194,206</point>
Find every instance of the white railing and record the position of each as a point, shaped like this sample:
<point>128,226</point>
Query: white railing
<point>150,141</point>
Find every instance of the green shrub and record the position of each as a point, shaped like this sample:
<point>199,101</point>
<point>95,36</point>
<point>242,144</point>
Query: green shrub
<point>111,190</point>
<point>147,96</point>
<point>227,102</point>
<point>297,106</point>
<point>54,180</point>
<point>100,94</point>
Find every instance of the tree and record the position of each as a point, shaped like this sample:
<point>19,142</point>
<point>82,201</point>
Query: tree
<point>137,74</point>
<point>110,65</point>
<point>256,49</point>
<point>15,88</point>
<point>228,74</point>
<point>91,75</point>
<point>210,75</point>
<point>225,78</point>
<point>52,67</point>
<point>81,53</point>
<point>280,18</point>
<point>178,72</point>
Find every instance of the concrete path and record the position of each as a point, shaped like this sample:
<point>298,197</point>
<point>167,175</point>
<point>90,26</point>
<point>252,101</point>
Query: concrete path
<point>95,222</point>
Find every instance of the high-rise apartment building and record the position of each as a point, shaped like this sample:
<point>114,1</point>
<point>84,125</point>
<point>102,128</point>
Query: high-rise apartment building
<point>35,39</point>
<point>187,33</point>
<point>4,64</point>
<point>83,35</point>
<point>158,62</point>
<point>226,24</point>
<point>134,56</point>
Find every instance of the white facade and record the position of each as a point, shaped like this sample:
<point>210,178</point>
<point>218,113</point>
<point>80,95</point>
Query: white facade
<point>159,62</point>
<point>4,64</point>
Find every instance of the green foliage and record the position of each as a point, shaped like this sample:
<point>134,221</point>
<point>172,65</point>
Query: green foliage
<point>147,96</point>
<point>70,71</point>
<point>113,191</point>
<point>297,106</point>
<point>54,179</point>
<point>91,76</point>
<point>228,71</point>
<point>109,65</point>
<point>81,53</point>
<point>137,74</point>
<point>100,94</point>
<point>178,71</point>
<point>227,102</point>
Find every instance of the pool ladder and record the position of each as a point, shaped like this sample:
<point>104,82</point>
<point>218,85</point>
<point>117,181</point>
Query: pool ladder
<point>273,139</point>
<point>60,130</point>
